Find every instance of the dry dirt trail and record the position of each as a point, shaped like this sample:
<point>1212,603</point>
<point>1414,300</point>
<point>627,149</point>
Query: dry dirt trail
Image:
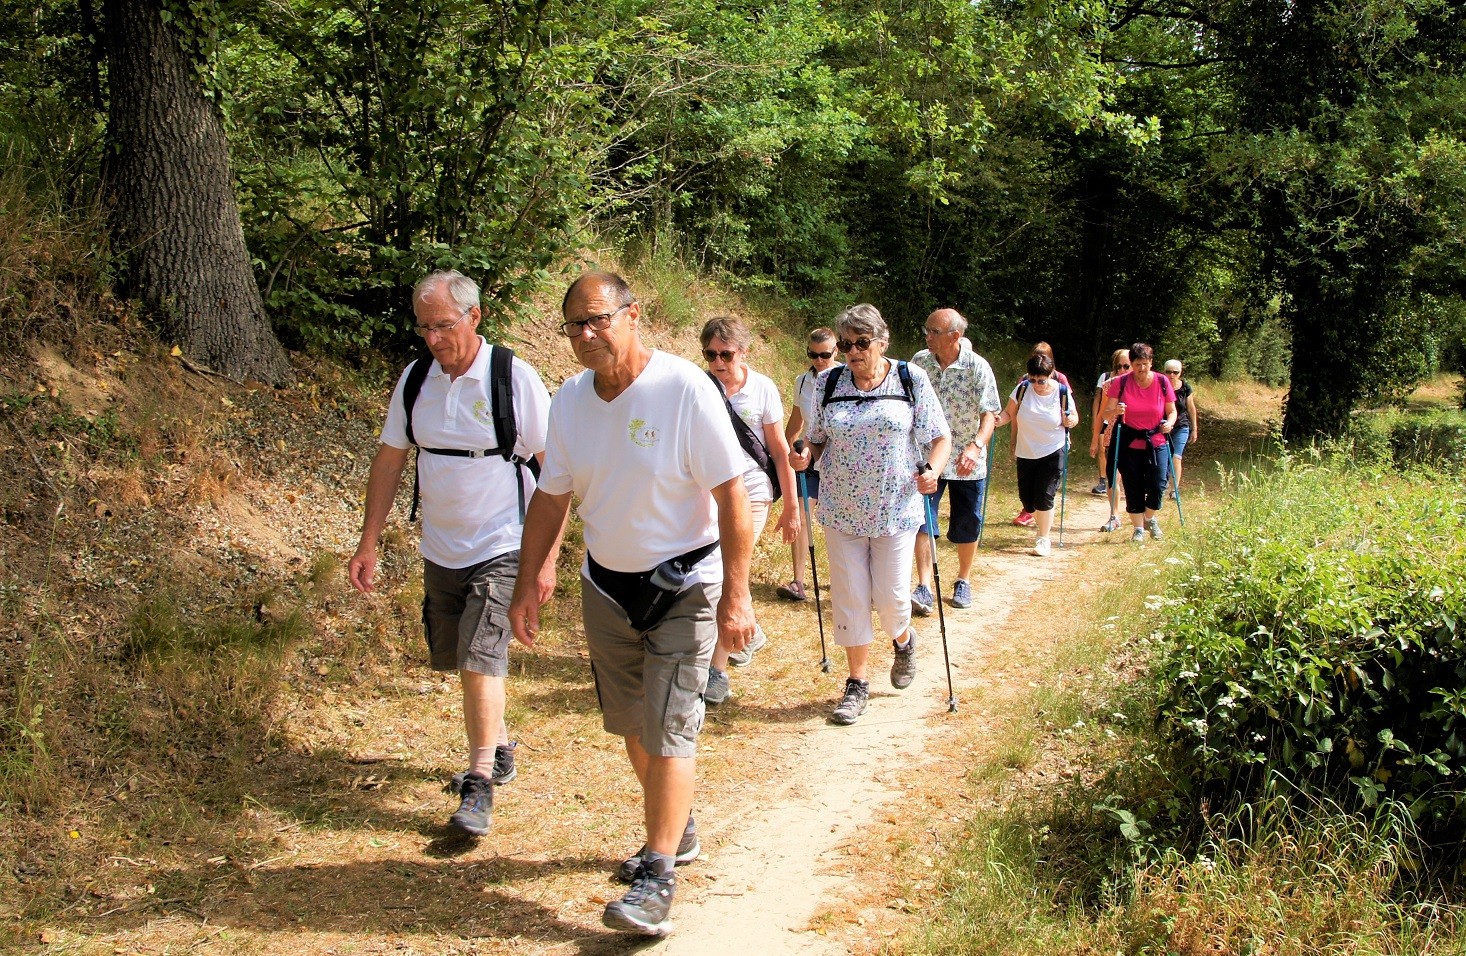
<point>759,890</point>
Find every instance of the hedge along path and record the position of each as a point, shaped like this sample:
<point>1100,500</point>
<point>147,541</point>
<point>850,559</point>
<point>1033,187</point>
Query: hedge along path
<point>792,862</point>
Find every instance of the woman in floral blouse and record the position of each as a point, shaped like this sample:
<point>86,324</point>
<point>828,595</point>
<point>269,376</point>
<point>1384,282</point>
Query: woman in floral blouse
<point>881,440</point>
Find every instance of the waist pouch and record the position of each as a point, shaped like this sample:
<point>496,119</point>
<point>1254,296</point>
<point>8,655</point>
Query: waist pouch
<point>646,596</point>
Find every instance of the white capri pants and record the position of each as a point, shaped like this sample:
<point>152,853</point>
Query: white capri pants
<point>869,574</point>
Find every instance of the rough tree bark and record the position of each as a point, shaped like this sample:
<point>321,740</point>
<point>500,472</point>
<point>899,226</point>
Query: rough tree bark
<point>174,215</point>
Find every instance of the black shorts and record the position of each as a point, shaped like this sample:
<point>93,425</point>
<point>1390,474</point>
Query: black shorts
<point>1038,481</point>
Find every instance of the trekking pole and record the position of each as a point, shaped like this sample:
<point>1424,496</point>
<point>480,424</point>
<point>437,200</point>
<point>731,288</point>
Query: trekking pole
<point>1063,486</point>
<point>931,520</point>
<point>814,571</point>
<point>1180,516</point>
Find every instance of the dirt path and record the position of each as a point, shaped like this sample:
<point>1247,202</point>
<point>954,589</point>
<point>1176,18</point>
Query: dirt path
<point>786,860</point>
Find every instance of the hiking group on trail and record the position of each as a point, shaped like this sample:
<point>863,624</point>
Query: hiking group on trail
<point>675,470</point>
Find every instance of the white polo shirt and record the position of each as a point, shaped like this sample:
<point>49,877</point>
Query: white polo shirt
<point>470,506</point>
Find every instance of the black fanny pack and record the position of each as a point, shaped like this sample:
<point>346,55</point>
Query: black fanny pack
<point>646,596</point>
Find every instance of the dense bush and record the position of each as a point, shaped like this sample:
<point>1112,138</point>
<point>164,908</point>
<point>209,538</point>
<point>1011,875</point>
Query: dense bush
<point>1321,643</point>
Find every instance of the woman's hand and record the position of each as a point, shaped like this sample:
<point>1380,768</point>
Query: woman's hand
<point>788,523</point>
<point>926,481</point>
<point>800,460</point>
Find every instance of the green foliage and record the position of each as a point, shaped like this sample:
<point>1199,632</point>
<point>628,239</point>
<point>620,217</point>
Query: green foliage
<point>1320,643</point>
<point>160,629</point>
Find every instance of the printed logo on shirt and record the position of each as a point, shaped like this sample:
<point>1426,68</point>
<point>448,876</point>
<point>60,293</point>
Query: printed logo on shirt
<point>481,413</point>
<point>642,434</point>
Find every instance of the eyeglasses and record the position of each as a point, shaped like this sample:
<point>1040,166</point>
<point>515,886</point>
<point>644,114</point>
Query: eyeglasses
<point>863,344</point>
<point>727,355</point>
<point>818,355</point>
<point>933,332</point>
<point>1124,368</point>
<point>423,330</point>
<point>597,323</point>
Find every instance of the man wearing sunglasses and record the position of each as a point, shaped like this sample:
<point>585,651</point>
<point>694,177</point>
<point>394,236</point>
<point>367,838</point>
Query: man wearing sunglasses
<point>821,351</point>
<point>644,440</point>
<point>968,391</point>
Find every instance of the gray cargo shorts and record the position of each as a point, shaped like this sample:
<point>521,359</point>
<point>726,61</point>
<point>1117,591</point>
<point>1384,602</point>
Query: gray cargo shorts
<point>465,614</point>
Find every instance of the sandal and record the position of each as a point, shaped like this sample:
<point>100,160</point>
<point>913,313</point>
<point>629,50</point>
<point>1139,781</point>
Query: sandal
<point>1112,525</point>
<point>793,591</point>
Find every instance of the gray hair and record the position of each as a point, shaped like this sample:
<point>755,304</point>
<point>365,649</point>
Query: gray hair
<point>464,290</point>
<point>729,329</point>
<point>863,319</point>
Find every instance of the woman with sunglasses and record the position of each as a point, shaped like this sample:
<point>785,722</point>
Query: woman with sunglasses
<point>1099,437</point>
<point>755,399</point>
<point>1042,412</point>
<point>1143,406</point>
<point>1187,430</point>
<point>821,351</point>
<point>877,430</point>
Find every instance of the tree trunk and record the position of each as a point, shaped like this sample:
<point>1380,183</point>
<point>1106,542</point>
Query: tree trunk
<point>174,215</point>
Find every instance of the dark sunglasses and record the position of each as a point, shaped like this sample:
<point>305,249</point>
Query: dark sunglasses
<point>861,343</point>
<point>1123,367</point>
<point>726,355</point>
<point>818,355</point>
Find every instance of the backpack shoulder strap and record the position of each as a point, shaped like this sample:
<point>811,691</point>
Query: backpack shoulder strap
<point>417,373</point>
<point>903,371</point>
<point>831,381</point>
<point>501,391</point>
<point>747,440</point>
<point>1022,389</point>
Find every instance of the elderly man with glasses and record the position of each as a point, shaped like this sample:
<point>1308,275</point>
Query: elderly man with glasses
<point>968,392</point>
<point>471,513</point>
<point>644,440</point>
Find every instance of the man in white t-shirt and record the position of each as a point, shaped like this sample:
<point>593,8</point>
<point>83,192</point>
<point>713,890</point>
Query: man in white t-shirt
<point>643,439</point>
<point>471,517</point>
<point>821,351</point>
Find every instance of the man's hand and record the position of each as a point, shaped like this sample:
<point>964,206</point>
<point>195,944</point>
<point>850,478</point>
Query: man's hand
<point>967,460</point>
<point>363,568</point>
<point>735,620</point>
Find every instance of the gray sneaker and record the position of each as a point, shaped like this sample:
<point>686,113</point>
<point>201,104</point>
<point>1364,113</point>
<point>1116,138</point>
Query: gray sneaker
<point>745,657</point>
<point>717,691</point>
<point>922,600</point>
<point>688,849</point>
<point>961,594</point>
<point>903,668</point>
<point>475,805</point>
<point>853,704</point>
<point>645,906</point>
<point>1138,534</point>
<point>1154,527</point>
<point>504,771</point>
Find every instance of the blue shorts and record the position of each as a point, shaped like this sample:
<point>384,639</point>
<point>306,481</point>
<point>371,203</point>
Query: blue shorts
<point>1178,439</point>
<point>965,522</point>
<point>811,483</point>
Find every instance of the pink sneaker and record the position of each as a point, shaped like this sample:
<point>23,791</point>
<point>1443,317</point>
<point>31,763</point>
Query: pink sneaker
<point>1024,520</point>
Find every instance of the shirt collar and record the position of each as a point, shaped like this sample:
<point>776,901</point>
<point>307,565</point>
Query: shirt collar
<point>478,371</point>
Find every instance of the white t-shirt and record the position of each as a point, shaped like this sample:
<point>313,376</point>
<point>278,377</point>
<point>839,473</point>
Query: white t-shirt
<point>805,396</point>
<point>758,404</point>
<point>643,464</point>
<point>1038,429</point>
<point>470,506</point>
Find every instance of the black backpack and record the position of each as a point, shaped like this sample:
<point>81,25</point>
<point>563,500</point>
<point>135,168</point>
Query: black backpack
<point>506,432</point>
<point>908,391</point>
<point>752,445</point>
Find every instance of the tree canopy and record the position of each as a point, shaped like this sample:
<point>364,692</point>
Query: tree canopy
<point>1233,182</point>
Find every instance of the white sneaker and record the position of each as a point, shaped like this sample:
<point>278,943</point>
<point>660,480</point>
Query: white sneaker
<point>1041,548</point>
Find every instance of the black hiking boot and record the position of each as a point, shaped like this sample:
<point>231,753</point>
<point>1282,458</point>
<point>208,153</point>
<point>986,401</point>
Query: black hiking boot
<point>688,849</point>
<point>645,906</point>
<point>475,805</point>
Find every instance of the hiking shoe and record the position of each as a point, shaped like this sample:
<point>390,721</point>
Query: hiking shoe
<point>1101,488</point>
<point>853,704</point>
<point>645,906</point>
<point>1154,527</point>
<point>1112,525</point>
<point>755,644</point>
<point>793,591</point>
<point>1023,520</point>
<point>688,849</point>
<point>1173,495</point>
<point>961,594</point>
<point>922,600</point>
<point>1041,548</point>
<point>475,805</point>
<point>903,668</point>
<point>504,771</point>
<point>1138,534</point>
<point>717,691</point>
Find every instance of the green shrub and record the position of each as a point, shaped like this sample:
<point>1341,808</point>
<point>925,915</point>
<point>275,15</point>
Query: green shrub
<point>1321,643</point>
<point>1437,438</point>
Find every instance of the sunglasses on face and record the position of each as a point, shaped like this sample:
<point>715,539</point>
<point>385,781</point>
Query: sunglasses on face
<point>863,344</point>
<point>1124,368</point>
<point>818,355</point>
<point>727,355</point>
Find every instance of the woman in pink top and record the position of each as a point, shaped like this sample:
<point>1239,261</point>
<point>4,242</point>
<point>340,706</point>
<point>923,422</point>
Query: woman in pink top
<point>1144,406</point>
